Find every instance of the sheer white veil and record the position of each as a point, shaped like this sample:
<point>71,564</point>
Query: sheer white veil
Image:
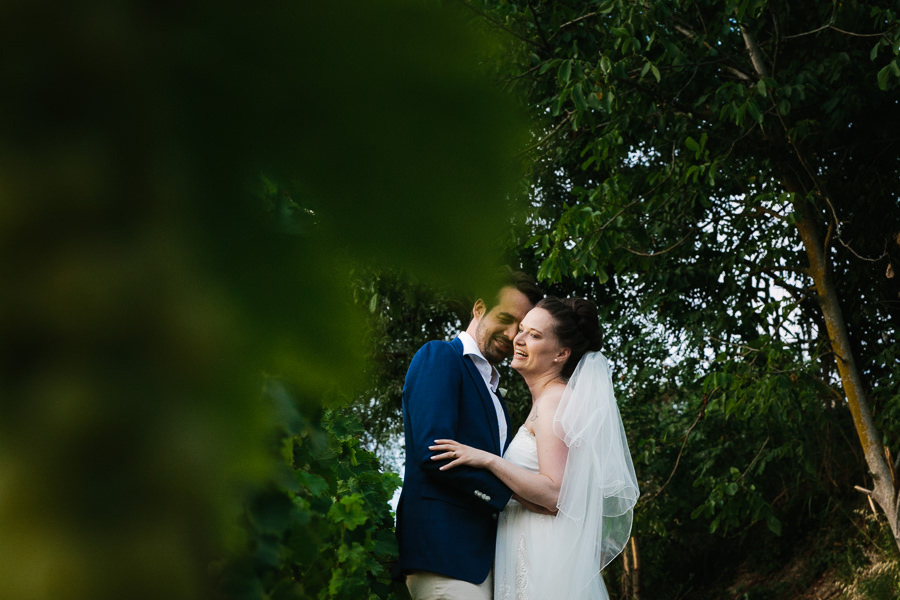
<point>599,487</point>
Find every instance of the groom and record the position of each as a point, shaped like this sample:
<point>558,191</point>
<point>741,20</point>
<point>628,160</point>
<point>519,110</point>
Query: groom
<point>447,520</point>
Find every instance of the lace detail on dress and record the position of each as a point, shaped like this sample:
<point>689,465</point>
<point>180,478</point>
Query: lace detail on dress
<point>522,570</point>
<point>515,574</point>
<point>504,591</point>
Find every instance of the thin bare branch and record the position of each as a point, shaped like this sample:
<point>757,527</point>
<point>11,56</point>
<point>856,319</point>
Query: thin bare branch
<point>684,443</point>
<point>797,292</point>
<point>749,349</point>
<point>857,255</point>
<point>805,33</point>
<point>833,28</point>
<point>818,29</point>
<point>772,213</point>
<point>523,74</point>
<point>828,234</point>
<point>661,252</point>
<point>637,200</point>
<point>861,35</point>
<point>683,30</point>
<point>837,236</point>
<point>537,24</point>
<point>544,139</point>
<point>616,216</point>
<point>573,21</point>
<point>830,25</point>
<point>755,458</point>
<point>838,396</point>
<point>734,142</point>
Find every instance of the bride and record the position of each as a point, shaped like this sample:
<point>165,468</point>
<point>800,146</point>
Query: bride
<point>573,481</point>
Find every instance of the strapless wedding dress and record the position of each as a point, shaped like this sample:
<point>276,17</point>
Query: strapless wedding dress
<point>529,563</point>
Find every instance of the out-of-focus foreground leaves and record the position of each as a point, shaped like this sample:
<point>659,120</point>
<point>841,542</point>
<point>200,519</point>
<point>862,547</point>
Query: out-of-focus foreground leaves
<point>149,278</point>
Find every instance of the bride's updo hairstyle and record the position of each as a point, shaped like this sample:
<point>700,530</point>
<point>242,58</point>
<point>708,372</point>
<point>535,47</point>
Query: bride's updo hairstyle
<point>576,325</point>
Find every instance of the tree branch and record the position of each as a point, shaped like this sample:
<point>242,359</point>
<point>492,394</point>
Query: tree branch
<point>548,136</point>
<point>830,25</point>
<point>669,249</point>
<point>833,28</point>
<point>755,458</point>
<point>756,57</point>
<point>685,31</point>
<point>540,30</point>
<point>749,349</point>
<point>857,255</point>
<point>797,292</point>
<point>684,443</point>
<point>573,21</point>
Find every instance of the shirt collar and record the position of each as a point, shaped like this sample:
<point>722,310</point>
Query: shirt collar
<point>487,370</point>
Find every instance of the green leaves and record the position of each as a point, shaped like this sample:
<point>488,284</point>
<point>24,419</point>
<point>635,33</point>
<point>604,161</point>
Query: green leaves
<point>888,75</point>
<point>578,98</point>
<point>564,73</point>
<point>649,66</point>
<point>696,147</point>
<point>322,527</point>
<point>669,200</point>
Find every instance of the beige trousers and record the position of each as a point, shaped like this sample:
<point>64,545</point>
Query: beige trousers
<point>430,586</point>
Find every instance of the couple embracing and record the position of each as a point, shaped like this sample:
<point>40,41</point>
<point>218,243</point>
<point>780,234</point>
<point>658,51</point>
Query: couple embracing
<point>487,511</point>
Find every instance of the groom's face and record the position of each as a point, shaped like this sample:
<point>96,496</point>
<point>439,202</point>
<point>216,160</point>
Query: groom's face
<point>499,325</point>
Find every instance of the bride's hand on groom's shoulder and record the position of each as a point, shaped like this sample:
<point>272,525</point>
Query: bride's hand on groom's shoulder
<point>459,454</point>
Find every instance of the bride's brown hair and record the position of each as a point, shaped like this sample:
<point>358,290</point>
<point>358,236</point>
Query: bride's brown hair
<point>576,325</point>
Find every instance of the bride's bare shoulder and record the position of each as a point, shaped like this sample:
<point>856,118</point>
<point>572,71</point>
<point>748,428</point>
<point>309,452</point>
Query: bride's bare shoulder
<point>551,396</point>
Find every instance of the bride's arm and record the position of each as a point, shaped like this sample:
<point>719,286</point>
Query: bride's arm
<point>541,488</point>
<point>535,508</point>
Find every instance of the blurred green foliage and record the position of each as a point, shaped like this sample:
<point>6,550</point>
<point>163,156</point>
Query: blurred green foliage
<point>152,275</point>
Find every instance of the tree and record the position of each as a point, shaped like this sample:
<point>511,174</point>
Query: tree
<point>730,171</point>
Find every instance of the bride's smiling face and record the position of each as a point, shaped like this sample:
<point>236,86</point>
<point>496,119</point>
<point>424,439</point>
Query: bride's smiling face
<point>536,346</point>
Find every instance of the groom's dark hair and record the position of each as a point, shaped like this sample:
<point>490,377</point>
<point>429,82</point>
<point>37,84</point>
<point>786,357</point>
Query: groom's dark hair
<point>507,277</point>
<point>520,280</point>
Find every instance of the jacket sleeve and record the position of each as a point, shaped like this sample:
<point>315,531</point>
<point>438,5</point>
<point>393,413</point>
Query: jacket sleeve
<point>438,406</point>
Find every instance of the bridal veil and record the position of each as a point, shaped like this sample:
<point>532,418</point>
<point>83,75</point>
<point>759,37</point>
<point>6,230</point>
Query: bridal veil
<point>599,488</point>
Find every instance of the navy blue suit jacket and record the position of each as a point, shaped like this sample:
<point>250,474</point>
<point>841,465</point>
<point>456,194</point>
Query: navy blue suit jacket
<point>447,520</point>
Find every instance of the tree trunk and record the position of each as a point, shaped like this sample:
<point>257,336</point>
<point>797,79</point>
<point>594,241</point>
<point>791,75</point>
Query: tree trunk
<point>883,492</point>
<point>631,574</point>
<point>635,570</point>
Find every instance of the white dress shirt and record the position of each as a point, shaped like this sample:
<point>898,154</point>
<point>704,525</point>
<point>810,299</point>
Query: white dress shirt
<point>491,378</point>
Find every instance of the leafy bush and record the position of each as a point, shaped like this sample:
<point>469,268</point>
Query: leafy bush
<point>322,527</point>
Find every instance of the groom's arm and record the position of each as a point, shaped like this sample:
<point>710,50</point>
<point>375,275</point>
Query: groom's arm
<point>432,393</point>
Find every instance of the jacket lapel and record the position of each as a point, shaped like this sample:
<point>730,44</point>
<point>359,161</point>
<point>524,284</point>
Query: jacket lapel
<point>487,402</point>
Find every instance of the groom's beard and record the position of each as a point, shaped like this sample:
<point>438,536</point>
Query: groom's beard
<point>497,348</point>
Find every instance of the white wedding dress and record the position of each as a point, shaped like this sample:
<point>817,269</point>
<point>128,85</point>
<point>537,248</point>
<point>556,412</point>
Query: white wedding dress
<point>544,557</point>
<point>520,533</point>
